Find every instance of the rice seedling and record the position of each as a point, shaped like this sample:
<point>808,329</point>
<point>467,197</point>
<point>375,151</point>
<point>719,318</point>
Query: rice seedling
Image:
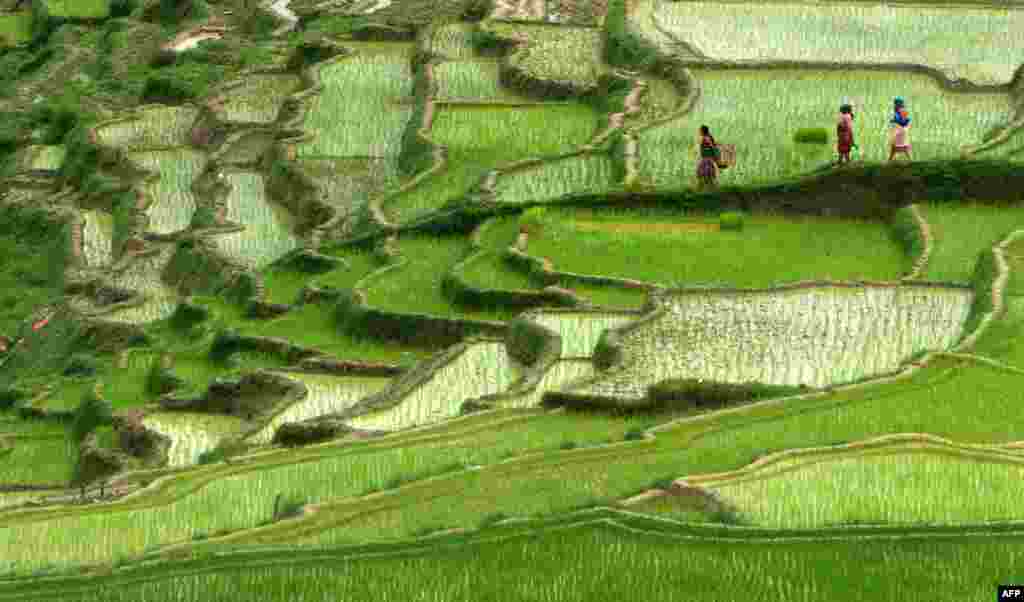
<point>476,80</point>
<point>358,112</point>
<point>41,157</point>
<point>191,433</point>
<point>560,54</point>
<point>561,374</point>
<point>453,41</point>
<point>97,238</point>
<point>348,184</point>
<point>574,175</point>
<point>327,394</point>
<point>900,485</point>
<point>15,28</point>
<point>152,128</point>
<point>269,228</point>
<point>742,106</point>
<point>144,275</point>
<point>484,369</point>
<point>580,331</point>
<point>814,337</point>
<point>974,43</point>
<point>675,249</point>
<point>78,9</point>
<point>961,232</point>
<point>171,197</point>
<point>260,98</point>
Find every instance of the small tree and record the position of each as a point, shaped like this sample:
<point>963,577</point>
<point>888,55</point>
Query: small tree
<point>92,412</point>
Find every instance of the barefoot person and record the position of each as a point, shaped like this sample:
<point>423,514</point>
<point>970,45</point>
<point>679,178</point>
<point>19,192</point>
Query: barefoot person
<point>900,123</point>
<point>707,168</point>
<point>844,133</point>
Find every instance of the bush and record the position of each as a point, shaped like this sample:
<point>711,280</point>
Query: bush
<point>731,221</point>
<point>81,365</point>
<point>567,445</point>
<point>12,396</point>
<point>533,220</point>
<point>288,506</point>
<point>811,136</point>
<point>689,392</point>
<point>634,435</point>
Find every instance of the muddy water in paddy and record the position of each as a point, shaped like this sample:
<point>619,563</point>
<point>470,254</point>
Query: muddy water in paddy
<point>817,336</point>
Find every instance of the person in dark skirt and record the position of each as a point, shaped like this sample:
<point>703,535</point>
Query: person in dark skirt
<point>844,133</point>
<point>707,168</point>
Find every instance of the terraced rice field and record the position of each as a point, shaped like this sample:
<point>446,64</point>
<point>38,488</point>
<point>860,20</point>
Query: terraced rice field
<point>976,44</point>
<point>550,181</point>
<point>259,98</point>
<point>814,337</point>
<point>372,125</point>
<point>191,433</point>
<point>483,369</point>
<point>326,394</point>
<point>154,127</point>
<point>172,200</point>
<point>891,485</point>
<point>420,467</point>
<point>269,228</point>
<point>680,249</point>
<point>97,238</point>
<point>754,111</point>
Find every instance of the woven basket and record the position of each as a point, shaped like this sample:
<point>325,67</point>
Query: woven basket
<point>727,155</point>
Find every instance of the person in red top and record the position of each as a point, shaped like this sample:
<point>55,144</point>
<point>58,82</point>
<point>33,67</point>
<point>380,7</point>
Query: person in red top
<point>844,133</point>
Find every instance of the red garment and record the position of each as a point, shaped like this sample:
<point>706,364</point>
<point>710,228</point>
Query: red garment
<point>844,136</point>
<point>40,323</point>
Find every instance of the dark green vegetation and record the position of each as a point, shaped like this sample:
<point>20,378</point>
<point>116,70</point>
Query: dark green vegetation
<point>477,229</point>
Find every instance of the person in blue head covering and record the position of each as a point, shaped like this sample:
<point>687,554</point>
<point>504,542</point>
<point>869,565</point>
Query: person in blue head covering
<point>900,122</point>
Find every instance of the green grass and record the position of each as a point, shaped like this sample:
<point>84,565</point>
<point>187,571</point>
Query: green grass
<point>15,28</point>
<point>309,326</point>
<point>37,461</point>
<point>770,250</point>
<point>416,287</point>
<point>482,138</point>
<point>25,278</point>
<point>358,112</point>
<point>971,43</point>
<point>79,9</point>
<point>492,271</point>
<point>573,565</point>
<point>961,232</point>
<point>758,112</point>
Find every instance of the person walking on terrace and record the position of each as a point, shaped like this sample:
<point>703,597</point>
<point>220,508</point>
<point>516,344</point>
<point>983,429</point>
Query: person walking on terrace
<point>844,133</point>
<point>707,168</point>
<point>900,124</point>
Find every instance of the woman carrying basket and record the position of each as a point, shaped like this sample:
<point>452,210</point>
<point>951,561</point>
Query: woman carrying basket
<point>900,123</point>
<point>707,168</point>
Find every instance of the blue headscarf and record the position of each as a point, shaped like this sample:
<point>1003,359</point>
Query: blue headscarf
<point>900,115</point>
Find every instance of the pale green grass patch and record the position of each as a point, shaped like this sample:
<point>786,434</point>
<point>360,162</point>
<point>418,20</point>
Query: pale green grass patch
<point>453,41</point>
<point>580,331</point>
<point>78,9</point>
<point>41,157</point>
<point>759,111</point>
<point>472,80</point>
<point>973,43</point>
<point>559,54</point>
